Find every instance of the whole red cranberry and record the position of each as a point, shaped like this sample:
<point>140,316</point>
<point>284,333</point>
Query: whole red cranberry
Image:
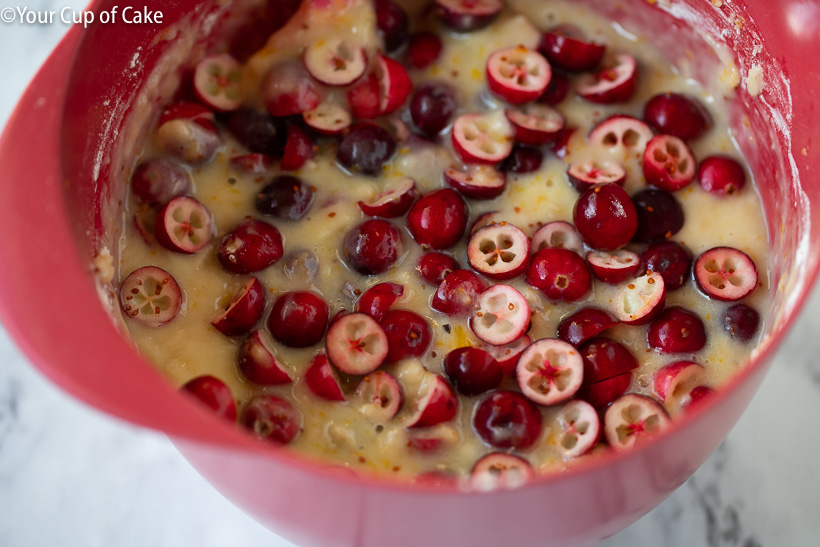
<point>432,108</point>
<point>507,419</point>
<point>434,267</point>
<point>252,246</point>
<point>392,22</point>
<point>721,175</point>
<point>741,322</point>
<point>677,331</point>
<point>272,418</point>
<point>677,115</point>
<point>258,131</point>
<point>372,246</point>
<point>366,148</point>
<point>473,370</point>
<point>456,295</point>
<point>408,335</point>
<point>605,359</point>
<point>605,217</point>
<point>214,394</point>
<point>583,325</point>
<point>559,273</point>
<point>159,180</point>
<point>438,219</point>
<point>286,197</point>
<point>669,259</point>
<point>298,319</point>
<point>423,49</point>
<point>660,215</point>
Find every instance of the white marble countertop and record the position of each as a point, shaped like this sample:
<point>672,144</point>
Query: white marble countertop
<point>70,476</point>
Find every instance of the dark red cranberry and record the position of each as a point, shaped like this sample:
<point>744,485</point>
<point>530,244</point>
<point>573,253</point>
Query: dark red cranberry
<point>605,217</point>
<point>523,159</point>
<point>214,394</point>
<point>559,273</point>
<point>258,363</point>
<point>298,319</point>
<point>670,259</point>
<point>741,322</point>
<point>372,246</point>
<point>434,267</point>
<point>560,146</point>
<point>507,419</point>
<point>377,299</point>
<point>286,197</point>
<point>423,49</point>
<point>601,394</point>
<point>408,335</point>
<point>159,180</point>
<point>273,419</point>
<point>677,115</point>
<point>252,246</point>
<point>557,90</point>
<point>432,108</point>
<point>299,147</point>
<point>258,131</point>
<point>721,175</point>
<point>565,49</point>
<point>660,215</point>
<point>605,359</point>
<point>584,324</point>
<point>456,295</point>
<point>677,331</point>
<point>392,22</point>
<point>366,148</point>
<point>438,219</point>
<point>473,370</point>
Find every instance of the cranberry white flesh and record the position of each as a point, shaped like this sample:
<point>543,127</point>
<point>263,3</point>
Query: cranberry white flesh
<point>408,335</point>
<point>378,396</point>
<point>366,148</point>
<point>615,83</point>
<point>584,175</point>
<point>288,89</point>
<point>436,403</point>
<point>660,215</point>
<point>557,234</point>
<point>255,163</point>
<point>517,74</point>
<point>467,15</point>
<point>500,470</point>
<point>570,52</point>
<point>214,394</point>
<point>394,202</point>
<point>243,311</point>
<point>394,84</point>
<point>507,355</point>
<point>438,219</point>
<point>298,319</point>
<point>377,299</point>
<point>477,181</point>
<point>668,163</point>
<point>499,251</point>
<point>503,315</point>
<point>726,273</point>
<point>678,115</point>
<point>251,246</point>
<point>483,138</point>
<point>614,267</point>
<point>335,61</point>
<point>536,124</point>
<point>605,217</point>
<point>432,107</point>
<point>457,294</point>
<point>633,419</point>
<point>258,363</point>
<point>184,225</point>
<point>677,331</point>
<point>670,259</point>
<point>151,296</point>
<point>560,274</point>
<point>328,118</point>
<point>322,380</point>
<point>218,82</point>
<point>507,419</point>
<point>188,140</point>
<point>434,267</point>
<point>584,324</point>
<point>273,419</point>
<point>159,180</point>
<point>721,175</point>
<point>372,247</point>
<point>579,428</point>
<point>286,197</point>
<point>622,134</point>
<point>675,380</point>
<point>356,344</point>
<point>695,397</point>
<point>550,371</point>
<point>741,322</point>
<point>641,300</point>
<point>423,50</point>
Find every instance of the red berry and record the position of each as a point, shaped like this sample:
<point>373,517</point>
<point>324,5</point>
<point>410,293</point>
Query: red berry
<point>499,251</point>
<point>721,175</point>
<point>506,419</point>
<point>436,403</point>
<point>523,159</point>
<point>299,148</point>
<point>184,225</point>
<point>660,215</point>
<point>217,82</point>
<point>678,115</point>
<point>518,75</point>
<point>550,371</point>
<point>434,267</point>
<point>438,219</point>
<point>584,324</point>
<point>741,322</point>
<point>456,295</point>
<point>468,15</point>
<point>372,247</point>
<point>472,370</point>
<point>250,247</point>
<point>395,201</point>
<point>605,217</point>
<point>298,319</point>
<point>566,50</point>
<point>726,273</point>
<point>286,198</point>
<point>670,259</point>
<point>392,23</point>
<point>288,89</point>
<point>258,363</point>
<point>322,380</point>
<point>560,274</point>
<point>432,108</point>
<point>605,359</point>
<point>151,296</point>
<point>243,311</point>
<point>502,315</point>
<point>335,61</point>
<point>258,131</point>
<point>377,299</point>
<point>273,419</point>
<point>423,49</point>
<point>366,148</point>
<point>213,393</point>
<point>356,344</point>
<point>677,331</point>
<point>408,335</point>
<point>668,163</point>
<point>159,180</point>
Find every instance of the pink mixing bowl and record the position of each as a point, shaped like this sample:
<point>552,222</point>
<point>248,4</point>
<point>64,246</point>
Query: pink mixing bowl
<point>64,159</point>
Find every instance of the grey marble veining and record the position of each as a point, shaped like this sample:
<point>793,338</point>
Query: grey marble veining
<point>70,476</point>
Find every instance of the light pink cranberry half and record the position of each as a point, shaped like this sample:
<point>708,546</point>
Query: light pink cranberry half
<point>641,300</point>
<point>726,273</point>
<point>335,61</point>
<point>288,89</point>
<point>378,396</point>
<point>457,294</point>
<point>500,470</point>
<point>579,428</point>
<point>218,82</point>
<point>356,344</point>
<point>151,296</point>
<point>536,124</point>
<point>518,74</point>
<point>668,163</point>
<point>477,181</point>
<point>614,267</point>
<point>483,138</point>
<point>258,363</point>
<point>328,118</point>
<point>436,403</point>
<point>507,355</point>
<point>214,394</point>
<point>322,380</point>
<point>502,315</point>
<point>184,225</point>
<point>583,175</point>
<point>621,133</point>
<point>615,83</point>
<point>550,371</point>
<point>558,234</point>
<point>675,380</point>
<point>394,201</point>
<point>633,419</point>
<point>243,311</point>
<point>499,251</point>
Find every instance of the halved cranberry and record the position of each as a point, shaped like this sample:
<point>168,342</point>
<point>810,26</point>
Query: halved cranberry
<point>364,98</point>
<point>366,148</point>
<point>372,247</point>
<point>151,296</point>
<point>438,219</point>
<point>741,322</point>
<point>334,61</point>
<point>394,201</point>
<point>157,181</point>
<point>258,363</point>
<point>633,419</point>
<point>670,259</point>
<point>432,108</point>
<point>558,234</point>
<point>536,124</point>
<point>721,175</point>
<point>523,159</point>
<point>677,331</point>
<point>299,148</point>
<point>500,471</point>
<point>621,133</point>
<point>328,118</point>
<point>356,344</point>
<point>584,175</point>
<point>434,267</point>
<point>184,225</point>
<point>673,381</point>
<point>218,81</point>
<point>191,140</point>
<point>660,215</point>
<point>499,251</point>
<point>255,163</point>
<point>288,89</point>
<point>678,115</point>
<point>322,380</point>
<point>483,220</point>
<point>483,138</point>
<point>392,23</point>
<point>502,315</point>
<point>423,49</point>
<point>273,419</point>
<point>472,370</point>
<point>408,334</point>
<point>378,396</point>
<point>726,273</point>
<point>506,419</point>
<point>601,394</point>
<point>507,355</point>
<point>258,131</point>
<point>550,371</point>
<point>579,428</point>
<point>251,246</point>
<point>435,403</point>
<point>584,324</point>
<point>286,197</point>
<point>298,319</point>
<point>569,52</point>
<point>395,85</point>
<point>642,300</point>
<point>456,295</point>
<point>467,15</point>
<point>614,267</point>
<point>695,398</point>
<point>614,83</point>
<point>377,299</point>
<point>605,359</point>
<point>557,90</point>
<point>668,163</point>
<point>560,146</point>
<point>605,217</point>
<point>243,311</point>
<point>560,274</point>
<point>517,74</point>
<point>477,181</point>
<point>214,394</point>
